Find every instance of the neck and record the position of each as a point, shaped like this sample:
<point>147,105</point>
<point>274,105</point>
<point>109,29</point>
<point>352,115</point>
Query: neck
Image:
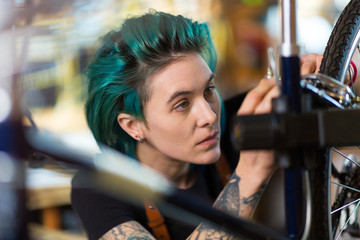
<point>175,170</point>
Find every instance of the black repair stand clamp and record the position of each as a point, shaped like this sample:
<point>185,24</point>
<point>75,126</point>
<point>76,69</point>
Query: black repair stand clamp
<point>287,130</point>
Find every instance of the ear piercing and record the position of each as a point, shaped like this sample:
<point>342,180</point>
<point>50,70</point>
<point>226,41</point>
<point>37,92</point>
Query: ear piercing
<point>139,140</point>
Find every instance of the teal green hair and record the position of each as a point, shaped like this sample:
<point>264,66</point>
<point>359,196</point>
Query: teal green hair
<point>126,58</point>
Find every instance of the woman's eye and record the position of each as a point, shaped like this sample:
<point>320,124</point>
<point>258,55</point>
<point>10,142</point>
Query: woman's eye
<point>209,90</point>
<point>182,105</point>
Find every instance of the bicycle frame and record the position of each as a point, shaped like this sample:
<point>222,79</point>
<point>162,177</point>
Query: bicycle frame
<point>288,109</point>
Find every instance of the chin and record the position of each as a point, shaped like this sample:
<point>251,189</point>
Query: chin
<point>210,158</point>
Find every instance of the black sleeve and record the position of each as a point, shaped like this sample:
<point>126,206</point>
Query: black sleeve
<point>231,105</point>
<point>98,213</point>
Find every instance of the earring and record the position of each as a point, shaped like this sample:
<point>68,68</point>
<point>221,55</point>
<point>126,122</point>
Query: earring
<point>139,139</point>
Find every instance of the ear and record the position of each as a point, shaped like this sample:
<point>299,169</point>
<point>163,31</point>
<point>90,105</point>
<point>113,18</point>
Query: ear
<point>131,125</point>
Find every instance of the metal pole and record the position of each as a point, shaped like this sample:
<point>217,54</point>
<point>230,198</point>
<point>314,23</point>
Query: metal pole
<point>290,77</point>
<point>290,62</point>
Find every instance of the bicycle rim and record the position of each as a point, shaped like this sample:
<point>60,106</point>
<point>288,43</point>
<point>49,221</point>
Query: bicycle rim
<point>340,49</point>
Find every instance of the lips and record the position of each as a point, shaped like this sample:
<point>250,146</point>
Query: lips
<point>210,139</point>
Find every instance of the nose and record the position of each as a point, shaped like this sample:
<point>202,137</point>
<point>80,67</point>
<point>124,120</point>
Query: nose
<point>206,114</point>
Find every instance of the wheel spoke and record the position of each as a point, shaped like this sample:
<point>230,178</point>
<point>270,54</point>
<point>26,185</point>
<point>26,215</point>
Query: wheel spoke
<point>342,185</point>
<point>351,160</point>
<point>347,221</point>
<point>346,173</point>
<point>346,205</point>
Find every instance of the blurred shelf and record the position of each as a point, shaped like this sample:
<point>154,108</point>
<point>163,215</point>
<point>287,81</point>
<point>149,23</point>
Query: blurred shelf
<point>47,189</point>
<point>39,232</point>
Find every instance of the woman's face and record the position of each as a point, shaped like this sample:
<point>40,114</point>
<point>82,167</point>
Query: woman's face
<point>183,112</point>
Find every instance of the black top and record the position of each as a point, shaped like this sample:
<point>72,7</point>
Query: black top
<point>99,212</point>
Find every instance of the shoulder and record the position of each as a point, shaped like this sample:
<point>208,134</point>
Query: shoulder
<point>98,211</point>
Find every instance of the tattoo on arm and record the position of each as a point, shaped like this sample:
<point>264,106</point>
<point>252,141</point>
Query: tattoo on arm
<point>230,201</point>
<point>229,198</point>
<point>252,201</point>
<point>129,230</point>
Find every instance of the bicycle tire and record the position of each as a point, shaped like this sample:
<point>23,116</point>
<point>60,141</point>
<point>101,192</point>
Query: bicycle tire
<point>342,42</point>
<point>340,48</point>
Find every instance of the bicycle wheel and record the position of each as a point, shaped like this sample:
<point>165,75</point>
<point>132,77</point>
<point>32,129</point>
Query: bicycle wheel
<point>330,182</point>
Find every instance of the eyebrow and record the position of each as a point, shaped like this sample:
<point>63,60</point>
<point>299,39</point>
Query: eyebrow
<point>179,93</point>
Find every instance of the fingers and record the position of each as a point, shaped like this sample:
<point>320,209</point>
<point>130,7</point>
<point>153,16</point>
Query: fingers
<point>258,100</point>
<point>310,63</point>
<point>265,105</point>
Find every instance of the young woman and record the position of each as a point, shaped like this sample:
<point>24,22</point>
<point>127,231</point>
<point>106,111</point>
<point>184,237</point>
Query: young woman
<point>152,96</point>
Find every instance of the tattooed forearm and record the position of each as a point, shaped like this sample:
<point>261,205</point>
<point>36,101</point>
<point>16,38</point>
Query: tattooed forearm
<point>129,230</point>
<point>228,201</point>
<point>231,201</point>
<point>229,198</point>
<point>248,204</point>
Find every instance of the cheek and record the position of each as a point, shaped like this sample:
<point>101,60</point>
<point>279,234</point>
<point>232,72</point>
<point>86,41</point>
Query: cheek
<point>169,132</point>
<point>164,126</point>
<point>170,136</point>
